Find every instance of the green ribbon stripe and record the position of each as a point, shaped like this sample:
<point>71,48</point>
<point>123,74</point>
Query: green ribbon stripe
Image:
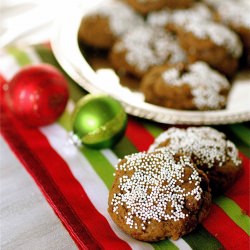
<point>164,245</point>
<point>20,56</point>
<point>200,238</point>
<point>234,212</point>
<point>239,134</point>
<point>100,164</point>
<point>242,132</point>
<point>65,119</point>
<point>154,130</point>
<point>124,147</point>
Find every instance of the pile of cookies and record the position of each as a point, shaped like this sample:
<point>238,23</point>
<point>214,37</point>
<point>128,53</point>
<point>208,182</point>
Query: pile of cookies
<point>167,191</point>
<point>182,53</point>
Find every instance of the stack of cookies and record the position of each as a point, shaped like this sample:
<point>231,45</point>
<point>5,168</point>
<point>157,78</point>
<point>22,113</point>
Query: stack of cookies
<point>182,53</point>
<point>167,191</point>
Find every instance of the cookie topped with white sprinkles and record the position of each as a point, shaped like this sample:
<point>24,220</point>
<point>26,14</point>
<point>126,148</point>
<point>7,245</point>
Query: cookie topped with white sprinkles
<point>120,15</point>
<point>231,12</point>
<point>209,149</point>
<point>186,86</point>
<point>166,16</point>
<point>218,33</point>
<point>101,26</point>
<point>155,189</point>
<point>206,84</point>
<point>144,47</point>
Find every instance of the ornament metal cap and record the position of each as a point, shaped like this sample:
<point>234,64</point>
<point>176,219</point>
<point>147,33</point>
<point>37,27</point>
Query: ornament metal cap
<point>74,139</point>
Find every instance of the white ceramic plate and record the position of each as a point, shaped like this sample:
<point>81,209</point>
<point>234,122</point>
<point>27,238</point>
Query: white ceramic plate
<point>66,49</point>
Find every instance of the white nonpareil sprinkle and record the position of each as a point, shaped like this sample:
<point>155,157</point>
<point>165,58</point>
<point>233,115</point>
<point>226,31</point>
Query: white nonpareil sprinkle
<point>147,47</point>
<point>154,186</point>
<point>163,17</point>
<point>205,84</point>
<point>207,145</point>
<point>121,17</point>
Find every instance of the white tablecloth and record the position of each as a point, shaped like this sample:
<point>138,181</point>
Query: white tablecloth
<point>27,221</point>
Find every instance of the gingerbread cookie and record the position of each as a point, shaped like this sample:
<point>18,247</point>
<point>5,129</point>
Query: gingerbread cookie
<point>190,87</point>
<point>211,42</point>
<point>158,195</point>
<point>144,47</point>
<point>210,151</point>
<point>102,26</point>
<point>146,6</point>
<point>235,14</point>
<point>165,18</point>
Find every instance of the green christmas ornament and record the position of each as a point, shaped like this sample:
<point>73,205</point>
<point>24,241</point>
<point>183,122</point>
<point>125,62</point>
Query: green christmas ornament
<point>98,121</point>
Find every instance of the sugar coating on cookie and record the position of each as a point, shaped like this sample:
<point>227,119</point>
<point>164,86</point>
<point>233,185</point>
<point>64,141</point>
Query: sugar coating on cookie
<point>232,12</point>
<point>207,144</point>
<point>205,84</point>
<point>159,18</point>
<point>165,16</point>
<point>219,34</point>
<point>146,47</point>
<point>120,15</point>
<point>153,183</point>
<point>236,13</point>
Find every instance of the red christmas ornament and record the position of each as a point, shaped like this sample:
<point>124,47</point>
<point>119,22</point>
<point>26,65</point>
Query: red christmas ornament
<point>37,94</point>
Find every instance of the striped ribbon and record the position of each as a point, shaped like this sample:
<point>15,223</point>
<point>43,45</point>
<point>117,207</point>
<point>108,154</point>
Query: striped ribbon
<point>76,182</point>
